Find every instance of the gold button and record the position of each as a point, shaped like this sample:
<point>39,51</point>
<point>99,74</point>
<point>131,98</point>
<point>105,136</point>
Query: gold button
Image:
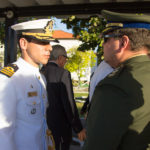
<point>39,77</point>
<point>43,96</point>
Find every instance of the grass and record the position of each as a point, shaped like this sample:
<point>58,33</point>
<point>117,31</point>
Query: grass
<point>80,94</point>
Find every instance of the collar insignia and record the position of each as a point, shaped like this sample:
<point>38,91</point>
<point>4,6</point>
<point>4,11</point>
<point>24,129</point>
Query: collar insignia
<point>115,71</point>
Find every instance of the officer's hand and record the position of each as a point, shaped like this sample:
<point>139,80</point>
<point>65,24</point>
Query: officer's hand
<point>82,135</point>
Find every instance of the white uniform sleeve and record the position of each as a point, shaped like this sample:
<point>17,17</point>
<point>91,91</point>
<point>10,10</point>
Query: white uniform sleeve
<point>7,113</point>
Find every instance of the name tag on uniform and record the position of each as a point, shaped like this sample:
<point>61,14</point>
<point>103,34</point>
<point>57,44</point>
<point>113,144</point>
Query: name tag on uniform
<point>31,94</point>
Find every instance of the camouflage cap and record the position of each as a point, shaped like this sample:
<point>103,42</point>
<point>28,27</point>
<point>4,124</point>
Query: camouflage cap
<point>125,20</point>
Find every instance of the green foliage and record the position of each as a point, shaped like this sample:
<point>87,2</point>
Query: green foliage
<point>79,61</point>
<point>88,31</point>
<point>74,83</point>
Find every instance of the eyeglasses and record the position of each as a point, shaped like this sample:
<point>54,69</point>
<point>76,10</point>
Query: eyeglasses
<point>107,36</point>
<point>65,57</point>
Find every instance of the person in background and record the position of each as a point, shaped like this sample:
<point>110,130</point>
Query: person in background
<point>62,113</point>
<point>119,116</point>
<point>23,96</point>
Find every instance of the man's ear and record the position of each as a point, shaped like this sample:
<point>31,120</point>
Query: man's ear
<point>59,60</point>
<point>23,43</point>
<point>124,42</point>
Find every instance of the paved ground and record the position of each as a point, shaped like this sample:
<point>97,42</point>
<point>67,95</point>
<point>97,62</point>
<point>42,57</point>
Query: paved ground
<point>74,147</point>
<point>77,144</point>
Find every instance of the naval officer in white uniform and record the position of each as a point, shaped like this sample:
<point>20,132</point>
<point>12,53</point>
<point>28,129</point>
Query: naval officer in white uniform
<point>23,96</point>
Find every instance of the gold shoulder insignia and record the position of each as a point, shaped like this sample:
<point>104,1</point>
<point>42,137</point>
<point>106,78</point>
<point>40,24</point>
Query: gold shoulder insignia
<point>49,28</point>
<point>9,70</point>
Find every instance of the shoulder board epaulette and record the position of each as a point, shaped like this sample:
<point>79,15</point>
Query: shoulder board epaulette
<point>9,70</point>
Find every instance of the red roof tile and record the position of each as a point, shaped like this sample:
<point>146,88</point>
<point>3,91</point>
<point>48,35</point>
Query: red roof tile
<point>59,34</point>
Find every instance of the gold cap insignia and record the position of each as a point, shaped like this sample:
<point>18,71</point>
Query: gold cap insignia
<point>114,24</point>
<point>47,35</point>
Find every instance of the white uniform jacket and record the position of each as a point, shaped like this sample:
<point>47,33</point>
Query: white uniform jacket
<point>22,107</point>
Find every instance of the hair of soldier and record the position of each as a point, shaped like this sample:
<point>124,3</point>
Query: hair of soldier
<point>139,37</point>
<point>56,48</point>
<point>19,36</point>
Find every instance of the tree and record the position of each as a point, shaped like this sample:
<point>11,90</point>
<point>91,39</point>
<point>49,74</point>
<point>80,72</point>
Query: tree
<point>79,61</point>
<point>88,31</point>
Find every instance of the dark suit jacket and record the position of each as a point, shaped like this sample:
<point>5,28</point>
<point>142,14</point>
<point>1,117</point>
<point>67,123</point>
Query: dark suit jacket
<point>119,117</point>
<point>62,114</point>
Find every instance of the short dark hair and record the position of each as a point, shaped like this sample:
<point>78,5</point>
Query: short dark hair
<point>139,37</point>
<point>19,36</point>
<point>31,39</point>
<point>28,38</point>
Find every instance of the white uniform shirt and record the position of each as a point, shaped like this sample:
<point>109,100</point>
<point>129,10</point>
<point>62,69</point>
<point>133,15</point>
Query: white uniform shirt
<point>100,73</point>
<point>22,104</point>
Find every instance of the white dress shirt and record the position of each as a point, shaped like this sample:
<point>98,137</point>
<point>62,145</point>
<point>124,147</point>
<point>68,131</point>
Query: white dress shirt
<point>23,100</point>
<point>100,73</point>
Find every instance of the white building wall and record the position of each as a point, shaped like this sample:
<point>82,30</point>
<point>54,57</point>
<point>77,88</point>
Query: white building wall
<point>68,43</point>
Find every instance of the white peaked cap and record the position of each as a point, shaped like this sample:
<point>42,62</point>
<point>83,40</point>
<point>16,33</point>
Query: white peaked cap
<point>41,29</point>
<point>34,24</point>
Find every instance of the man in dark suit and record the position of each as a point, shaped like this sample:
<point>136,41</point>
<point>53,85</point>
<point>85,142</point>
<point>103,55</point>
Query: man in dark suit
<point>119,116</point>
<point>62,113</point>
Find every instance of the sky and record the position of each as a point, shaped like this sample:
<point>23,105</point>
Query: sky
<point>60,26</point>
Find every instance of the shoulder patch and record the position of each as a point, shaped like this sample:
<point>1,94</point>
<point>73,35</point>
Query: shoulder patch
<point>9,70</point>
